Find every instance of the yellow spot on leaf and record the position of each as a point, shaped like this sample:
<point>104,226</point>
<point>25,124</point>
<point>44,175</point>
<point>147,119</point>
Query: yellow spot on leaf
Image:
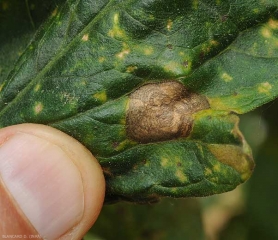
<point>234,157</point>
<point>122,145</point>
<point>169,24</point>
<point>148,50</point>
<point>54,13</point>
<point>116,18</point>
<point>195,4</point>
<point>214,179</point>
<point>256,10</point>
<point>151,17</point>
<point>101,96</point>
<point>217,167</point>
<point>116,31</point>
<point>131,69</point>
<point>208,171</point>
<point>264,87</point>
<point>83,83</point>
<point>123,121</point>
<point>266,32</point>
<point>226,77</point>
<point>101,59</point>
<point>173,67</point>
<point>85,37</point>
<point>1,86</point>
<point>123,53</point>
<point>181,176</point>
<point>164,162</point>
<point>38,107</point>
<point>214,43</point>
<point>37,87</point>
<point>273,24</point>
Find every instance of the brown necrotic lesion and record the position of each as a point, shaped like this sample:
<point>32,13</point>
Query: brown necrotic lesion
<point>162,111</point>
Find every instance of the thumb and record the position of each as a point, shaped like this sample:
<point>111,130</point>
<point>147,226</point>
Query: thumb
<point>50,185</point>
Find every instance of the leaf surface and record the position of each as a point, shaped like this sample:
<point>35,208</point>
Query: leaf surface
<point>85,61</point>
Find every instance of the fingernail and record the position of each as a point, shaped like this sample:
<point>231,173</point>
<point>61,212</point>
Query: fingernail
<point>44,182</point>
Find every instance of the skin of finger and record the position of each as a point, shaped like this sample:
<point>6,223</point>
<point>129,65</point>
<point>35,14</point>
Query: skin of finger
<point>90,170</point>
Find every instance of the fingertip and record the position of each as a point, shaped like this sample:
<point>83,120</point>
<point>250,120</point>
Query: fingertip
<point>61,177</point>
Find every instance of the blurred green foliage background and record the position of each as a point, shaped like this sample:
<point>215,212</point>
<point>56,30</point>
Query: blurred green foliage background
<point>248,213</point>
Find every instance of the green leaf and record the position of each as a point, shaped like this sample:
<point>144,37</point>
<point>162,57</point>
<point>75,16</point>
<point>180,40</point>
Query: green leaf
<point>94,64</point>
<point>19,21</point>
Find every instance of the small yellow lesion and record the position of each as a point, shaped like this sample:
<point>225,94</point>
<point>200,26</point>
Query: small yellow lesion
<point>116,30</point>
<point>209,46</point>
<point>38,108</point>
<point>218,103</point>
<point>125,51</point>
<point>265,87</point>
<point>217,167</point>
<point>131,69</point>
<point>101,96</point>
<point>54,13</point>
<point>116,18</point>
<point>181,176</point>
<point>208,172</point>
<point>85,37</point>
<point>256,10</point>
<point>148,50</point>
<point>2,86</point>
<point>122,145</point>
<point>172,67</point>
<point>169,24</point>
<point>273,24</point>
<point>151,17</point>
<point>123,121</point>
<point>214,179</point>
<point>115,33</point>
<point>266,32</point>
<point>122,54</point>
<point>226,77</point>
<point>101,59</point>
<point>164,162</point>
<point>195,4</point>
<point>83,83</point>
<point>214,43</point>
<point>37,87</point>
